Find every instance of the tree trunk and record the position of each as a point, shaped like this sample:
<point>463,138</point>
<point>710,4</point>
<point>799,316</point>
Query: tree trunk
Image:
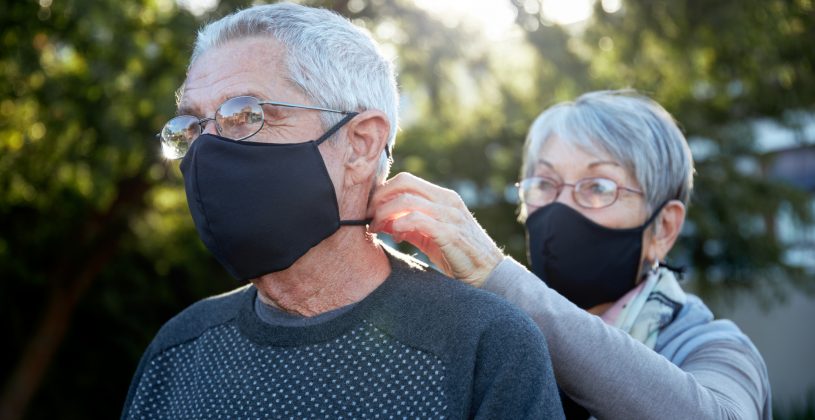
<point>69,281</point>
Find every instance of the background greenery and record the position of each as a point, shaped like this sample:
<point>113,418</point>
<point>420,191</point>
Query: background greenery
<point>97,249</point>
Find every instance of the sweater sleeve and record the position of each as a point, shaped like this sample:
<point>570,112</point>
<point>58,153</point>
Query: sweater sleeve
<point>614,376</point>
<point>134,383</point>
<point>513,376</point>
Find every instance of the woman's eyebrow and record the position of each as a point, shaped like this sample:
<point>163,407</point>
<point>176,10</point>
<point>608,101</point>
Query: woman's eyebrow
<point>590,165</point>
<point>603,162</point>
<point>544,162</point>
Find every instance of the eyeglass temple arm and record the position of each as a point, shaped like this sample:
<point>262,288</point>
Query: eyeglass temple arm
<point>316,108</point>
<point>630,190</point>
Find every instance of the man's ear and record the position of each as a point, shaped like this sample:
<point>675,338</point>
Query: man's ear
<point>367,138</point>
<point>666,230</point>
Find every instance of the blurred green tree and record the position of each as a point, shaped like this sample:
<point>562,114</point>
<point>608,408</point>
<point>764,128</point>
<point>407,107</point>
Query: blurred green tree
<point>88,235</point>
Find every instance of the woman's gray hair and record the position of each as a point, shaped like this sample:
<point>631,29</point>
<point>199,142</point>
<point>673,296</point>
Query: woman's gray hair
<point>336,64</point>
<point>630,128</point>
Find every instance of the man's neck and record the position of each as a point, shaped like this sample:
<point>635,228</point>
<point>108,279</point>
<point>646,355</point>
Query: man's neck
<point>343,269</point>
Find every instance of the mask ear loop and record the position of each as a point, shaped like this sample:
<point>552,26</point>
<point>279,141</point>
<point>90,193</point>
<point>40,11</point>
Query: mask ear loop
<point>336,127</point>
<point>655,214</point>
<point>679,271</point>
<point>325,137</point>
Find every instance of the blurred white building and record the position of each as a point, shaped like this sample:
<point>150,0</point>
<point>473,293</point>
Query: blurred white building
<point>784,334</point>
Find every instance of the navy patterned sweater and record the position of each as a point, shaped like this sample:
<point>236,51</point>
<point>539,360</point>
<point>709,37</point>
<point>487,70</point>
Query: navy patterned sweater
<point>419,346</point>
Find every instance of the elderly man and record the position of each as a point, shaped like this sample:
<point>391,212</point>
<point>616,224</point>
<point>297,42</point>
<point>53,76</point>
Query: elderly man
<point>333,324</point>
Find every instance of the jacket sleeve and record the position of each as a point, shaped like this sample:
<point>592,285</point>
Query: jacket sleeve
<point>513,376</point>
<point>614,376</point>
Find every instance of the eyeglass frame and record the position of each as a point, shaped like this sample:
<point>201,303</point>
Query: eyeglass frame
<point>560,185</point>
<point>203,121</point>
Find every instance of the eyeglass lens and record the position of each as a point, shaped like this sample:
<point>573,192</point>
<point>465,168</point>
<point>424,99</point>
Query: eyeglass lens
<point>595,192</point>
<point>236,119</point>
<point>177,135</point>
<point>590,192</point>
<point>239,118</point>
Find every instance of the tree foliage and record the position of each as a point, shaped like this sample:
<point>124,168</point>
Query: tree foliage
<point>96,244</point>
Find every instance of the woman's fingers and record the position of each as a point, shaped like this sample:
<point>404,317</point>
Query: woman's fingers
<point>436,221</point>
<point>429,236</point>
<point>408,183</point>
<point>405,203</point>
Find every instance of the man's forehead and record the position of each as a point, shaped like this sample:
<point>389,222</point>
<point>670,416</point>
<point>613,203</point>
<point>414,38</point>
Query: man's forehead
<point>251,66</point>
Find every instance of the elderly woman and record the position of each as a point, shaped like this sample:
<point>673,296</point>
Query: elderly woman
<point>605,184</point>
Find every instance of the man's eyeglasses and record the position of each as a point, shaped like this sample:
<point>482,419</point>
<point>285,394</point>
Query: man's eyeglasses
<point>237,118</point>
<point>591,193</point>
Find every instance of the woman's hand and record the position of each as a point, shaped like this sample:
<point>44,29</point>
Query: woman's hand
<point>435,220</point>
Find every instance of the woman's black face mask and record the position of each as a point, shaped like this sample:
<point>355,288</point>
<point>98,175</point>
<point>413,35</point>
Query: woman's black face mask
<point>259,207</point>
<point>587,263</point>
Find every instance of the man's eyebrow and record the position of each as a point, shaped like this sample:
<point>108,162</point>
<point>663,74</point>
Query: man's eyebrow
<point>187,110</point>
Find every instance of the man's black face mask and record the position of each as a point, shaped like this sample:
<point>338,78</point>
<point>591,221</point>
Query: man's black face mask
<point>259,207</point>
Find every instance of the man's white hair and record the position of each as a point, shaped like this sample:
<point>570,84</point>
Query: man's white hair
<point>631,129</point>
<point>336,64</point>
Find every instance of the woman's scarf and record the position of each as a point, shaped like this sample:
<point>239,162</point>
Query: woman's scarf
<point>654,307</point>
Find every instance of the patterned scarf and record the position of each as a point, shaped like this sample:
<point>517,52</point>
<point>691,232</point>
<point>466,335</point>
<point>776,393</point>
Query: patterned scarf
<point>642,313</point>
<point>655,306</point>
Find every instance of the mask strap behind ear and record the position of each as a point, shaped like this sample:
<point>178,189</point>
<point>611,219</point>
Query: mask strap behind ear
<point>339,125</point>
<point>678,270</point>
<point>324,137</point>
<point>655,213</point>
<point>336,127</point>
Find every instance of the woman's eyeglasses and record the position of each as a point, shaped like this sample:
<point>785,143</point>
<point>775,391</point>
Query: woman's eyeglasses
<point>592,193</point>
